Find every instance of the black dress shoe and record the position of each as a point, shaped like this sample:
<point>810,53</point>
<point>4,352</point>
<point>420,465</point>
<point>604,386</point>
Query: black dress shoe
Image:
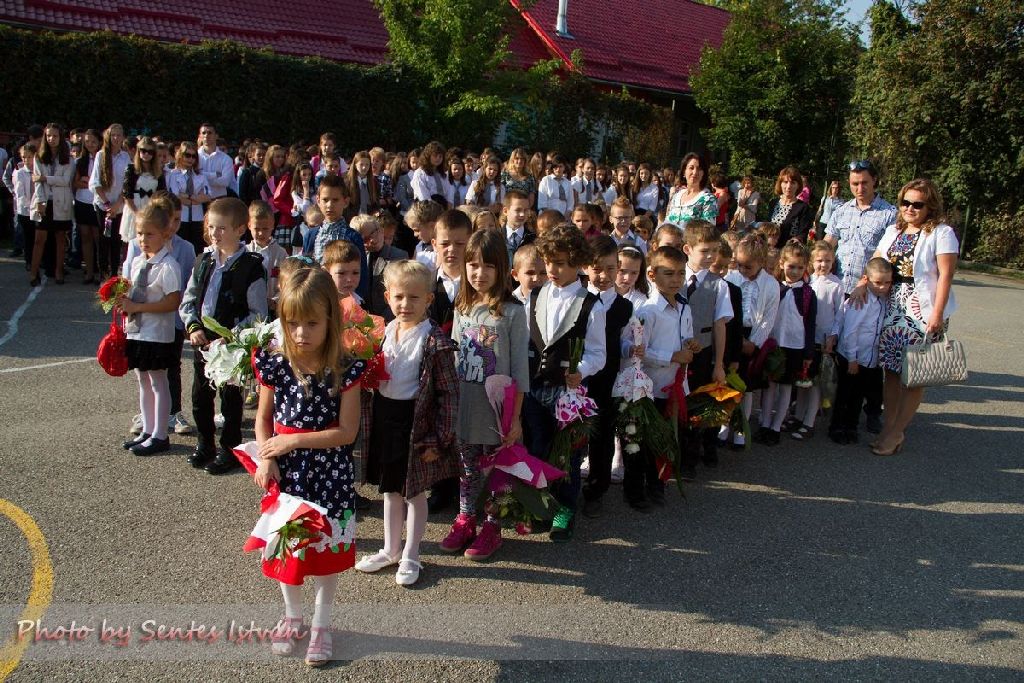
<point>224,462</point>
<point>155,446</point>
<point>127,445</point>
<point>362,503</point>
<point>201,457</point>
<point>592,508</point>
<point>639,504</point>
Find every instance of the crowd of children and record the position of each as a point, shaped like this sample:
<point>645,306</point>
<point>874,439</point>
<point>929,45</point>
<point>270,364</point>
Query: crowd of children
<point>478,273</point>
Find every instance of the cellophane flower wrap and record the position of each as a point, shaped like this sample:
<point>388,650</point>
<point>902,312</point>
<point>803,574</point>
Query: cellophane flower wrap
<point>716,405</point>
<point>576,414</point>
<point>638,421</point>
<point>515,482</point>
<point>229,358</point>
<point>111,290</point>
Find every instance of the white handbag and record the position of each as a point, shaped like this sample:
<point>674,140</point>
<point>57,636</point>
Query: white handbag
<point>934,364</point>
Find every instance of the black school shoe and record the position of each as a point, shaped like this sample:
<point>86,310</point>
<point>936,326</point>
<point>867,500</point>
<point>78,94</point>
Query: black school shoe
<point>772,438</point>
<point>155,446</point>
<point>592,508</point>
<point>641,505</point>
<point>201,457</point>
<point>134,441</point>
<point>224,462</point>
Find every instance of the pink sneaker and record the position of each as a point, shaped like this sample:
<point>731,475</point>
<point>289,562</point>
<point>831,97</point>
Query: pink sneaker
<point>486,543</point>
<point>462,534</point>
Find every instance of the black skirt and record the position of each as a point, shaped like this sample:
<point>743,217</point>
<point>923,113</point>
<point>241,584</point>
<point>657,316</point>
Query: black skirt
<point>146,355</point>
<point>85,214</point>
<point>387,461</point>
<point>794,365</point>
<point>51,225</point>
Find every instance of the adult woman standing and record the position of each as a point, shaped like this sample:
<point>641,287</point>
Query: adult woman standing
<point>517,176</point>
<point>791,215</point>
<point>829,203</point>
<point>691,198</point>
<point>85,214</point>
<point>427,182</point>
<point>106,185</point>
<point>54,203</point>
<point>747,201</point>
<point>141,179</point>
<point>923,251</point>
<point>276,190</point>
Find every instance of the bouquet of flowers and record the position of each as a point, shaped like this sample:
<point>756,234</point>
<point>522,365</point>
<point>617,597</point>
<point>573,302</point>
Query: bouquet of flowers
<point>229,359</point>
<point>638,421</point>
<point>827,379</point>
<point>769,365</point>
<point>516,483</point>
<point>715,405</point>
<point>111,290</point>
<point>361,333</point>
<point>575,412</point>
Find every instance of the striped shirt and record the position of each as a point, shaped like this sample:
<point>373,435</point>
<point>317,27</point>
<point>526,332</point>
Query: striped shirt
<point>858,233</point>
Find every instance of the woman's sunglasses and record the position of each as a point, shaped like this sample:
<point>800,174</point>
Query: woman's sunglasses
<point>917,206</point>
<point>188,155</point>
<point>146,150</point>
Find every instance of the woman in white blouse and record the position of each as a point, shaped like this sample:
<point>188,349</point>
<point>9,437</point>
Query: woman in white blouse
<point>427,181</point>
<point>106,184</point>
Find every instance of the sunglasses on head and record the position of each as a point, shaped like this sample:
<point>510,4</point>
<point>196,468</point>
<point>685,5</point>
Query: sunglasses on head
<point>917,206</point>
<point>861,165</point>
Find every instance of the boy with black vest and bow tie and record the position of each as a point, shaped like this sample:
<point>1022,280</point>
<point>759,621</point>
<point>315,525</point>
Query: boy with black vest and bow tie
<point>561,313</point>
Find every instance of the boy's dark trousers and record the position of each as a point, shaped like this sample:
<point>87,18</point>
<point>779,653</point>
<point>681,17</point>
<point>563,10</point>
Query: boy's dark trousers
<point>540,425</point>
<point>640,471</point>
<point>602,443</point>
<point>700,444</point>
<point>174,372</point>
<point>851,391</point>
<point>203,394</point>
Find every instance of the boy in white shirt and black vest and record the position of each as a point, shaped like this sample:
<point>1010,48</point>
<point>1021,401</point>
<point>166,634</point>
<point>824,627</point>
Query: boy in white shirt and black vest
<point>707,296</point>
<point>857,330</point>
<point>228,284</point>
<point>561,313</point>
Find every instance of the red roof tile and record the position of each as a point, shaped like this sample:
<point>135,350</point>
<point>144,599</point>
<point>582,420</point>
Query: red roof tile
<point>617,47</point>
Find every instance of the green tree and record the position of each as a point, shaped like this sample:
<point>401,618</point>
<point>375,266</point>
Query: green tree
<point>778,87</point>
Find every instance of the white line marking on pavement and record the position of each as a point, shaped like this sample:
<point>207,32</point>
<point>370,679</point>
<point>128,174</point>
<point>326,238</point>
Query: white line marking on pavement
<point>12,324</point>
<point>47,365</point>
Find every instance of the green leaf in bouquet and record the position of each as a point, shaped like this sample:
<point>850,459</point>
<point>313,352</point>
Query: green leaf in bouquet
<point>302,554</point>
<point>218,329</point>
<point>335,549</point>
<point>534,501</point>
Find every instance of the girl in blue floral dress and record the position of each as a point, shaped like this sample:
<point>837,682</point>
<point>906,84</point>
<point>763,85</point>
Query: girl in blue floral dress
<point>306,422</point>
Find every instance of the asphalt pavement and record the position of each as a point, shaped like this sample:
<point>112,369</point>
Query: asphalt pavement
<point>807,560</point>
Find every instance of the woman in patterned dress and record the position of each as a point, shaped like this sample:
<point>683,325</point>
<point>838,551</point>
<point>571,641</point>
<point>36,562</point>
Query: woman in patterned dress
<point>692,198</point>
<point>923,251</point>
<point>517,176</point>
<point>793,215</point>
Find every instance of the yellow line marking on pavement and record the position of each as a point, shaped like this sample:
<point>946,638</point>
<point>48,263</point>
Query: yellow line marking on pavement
<point>42,582</point>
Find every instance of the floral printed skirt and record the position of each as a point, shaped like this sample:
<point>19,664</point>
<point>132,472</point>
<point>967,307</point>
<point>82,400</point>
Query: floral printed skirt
<point>904,326</point>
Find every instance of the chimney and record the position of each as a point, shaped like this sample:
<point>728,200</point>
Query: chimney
<point>562,23</point>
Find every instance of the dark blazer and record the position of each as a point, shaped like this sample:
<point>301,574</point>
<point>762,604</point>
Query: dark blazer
<point>734,328</point>
<point>376,303</point>
<point>797,224</point>
<point>442,309</point>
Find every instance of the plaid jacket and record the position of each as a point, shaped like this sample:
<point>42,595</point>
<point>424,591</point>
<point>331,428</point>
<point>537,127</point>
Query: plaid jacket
<point>437,401</point>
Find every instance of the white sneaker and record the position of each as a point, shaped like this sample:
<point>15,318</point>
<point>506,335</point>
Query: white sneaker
<point>136,424</point>
<point>218,420</point>
<point>585,467</point>
<point>179,424</point>
<point>617,471</point>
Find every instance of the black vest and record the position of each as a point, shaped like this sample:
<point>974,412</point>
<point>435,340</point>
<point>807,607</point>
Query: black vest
<point>548,364</point>
<point>442,309</point>
<point>232,303</point>
<point>616,317</point>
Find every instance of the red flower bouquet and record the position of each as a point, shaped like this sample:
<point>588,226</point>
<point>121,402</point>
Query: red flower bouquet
<point>111,290</point>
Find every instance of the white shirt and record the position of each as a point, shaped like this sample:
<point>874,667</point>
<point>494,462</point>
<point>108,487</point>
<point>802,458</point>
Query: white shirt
<point>789,324</point>
<point>450,284</point>
<point>559,300</point>
<point>632,239</point>
<point>219,171</point>
<point>666,328</point>
<point>941,240</point>
<point>548,195</point>
<point>522,298</point>
<point>450,191</point>
<point>491,194</point>
<point>272,255</point>
<point>858,330</point>
<point>164,278</point>
<point>426,255</point>
<point>23,190</point>
<point>760,303</point>
<point>635,297</point>
<point>113,193</point>
<point>723,304</point>
<point>84,194</point>
<point>424,186</point>
<point>402,359</point>
<point>177,182</point>
<point>647,198</point>
<point>582,185</point>
<point>829,291</point>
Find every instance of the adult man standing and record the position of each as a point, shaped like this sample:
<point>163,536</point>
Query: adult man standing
<point>216,165</point>
<point>854,229</point>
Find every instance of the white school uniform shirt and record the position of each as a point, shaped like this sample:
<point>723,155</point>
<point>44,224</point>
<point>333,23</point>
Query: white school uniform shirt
<point>760,303</point>
<point>402,359</point>
<point>941,240</point>
<point>219,171</point>
<point>789,324</point>
<point>647,198</point>
<point>23,187</point>
<point>582,186</point>
<point>829,292</point>
<point>272,255</point>
<point>635,297</point>
<point>462,189</point>
<point>666,328</point>
<point>113,193</point>
<point>632,239</point>
<point>177,181</point>
<point>424,186</point>
<point>451,284</point>
<point>84,194</point>
<point>492,194</point>
<point>524,299</point>
<point>723,304</point>
<point>547,195</point>
<point>425,254</point>
<point>164,278</point>
<point>559,300</point>
<point>858,330</point>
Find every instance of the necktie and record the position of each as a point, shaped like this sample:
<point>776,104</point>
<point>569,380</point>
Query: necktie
<point>138,295</point>
<point>363,195</point>
<point>426,247</point>
<point>561,192</point>
<point>588,193</point>
<point>513,242</point>
<point>691,287</point>
<point>190,187</point>
<point>458,199</point>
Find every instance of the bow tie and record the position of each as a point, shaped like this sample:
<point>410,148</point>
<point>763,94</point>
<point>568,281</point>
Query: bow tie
<point>144,193</point>
<point>426,247</point>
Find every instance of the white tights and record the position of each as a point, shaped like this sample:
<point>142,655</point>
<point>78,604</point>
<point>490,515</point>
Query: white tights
<point>326,588</point>
<point>776,397</point>
<point>807,402</point>
<point>415,524</point>
<point>154,402</point>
